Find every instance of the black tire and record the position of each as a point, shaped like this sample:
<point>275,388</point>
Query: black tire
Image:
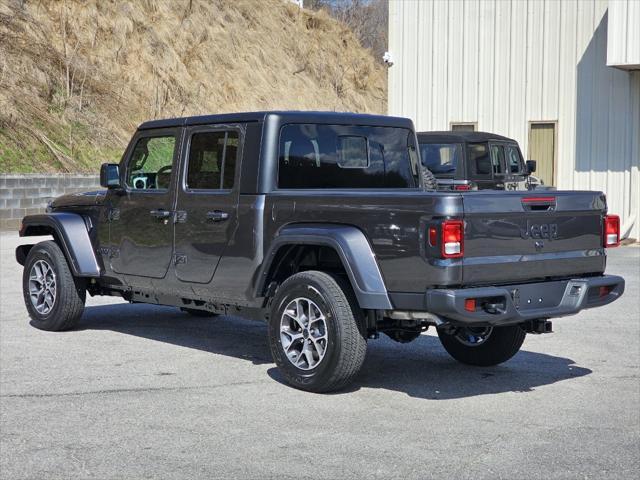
<point>501,344</point>
<point>198,313</point>
<point>346,343</point>
<point>70,292</point>
<point>429,180</point>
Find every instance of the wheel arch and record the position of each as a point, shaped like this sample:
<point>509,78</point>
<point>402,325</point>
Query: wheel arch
<point>352,248</point>
<point>70,233</point>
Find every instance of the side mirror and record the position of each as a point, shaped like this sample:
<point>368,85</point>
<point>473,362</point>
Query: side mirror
<point>110,175</point>
<point>531,166</point>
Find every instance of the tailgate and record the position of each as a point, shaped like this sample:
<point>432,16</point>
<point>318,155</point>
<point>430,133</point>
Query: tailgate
<point>527,236</point>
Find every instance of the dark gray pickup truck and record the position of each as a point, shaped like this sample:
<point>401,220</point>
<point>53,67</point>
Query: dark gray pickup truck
<point>318,223</point>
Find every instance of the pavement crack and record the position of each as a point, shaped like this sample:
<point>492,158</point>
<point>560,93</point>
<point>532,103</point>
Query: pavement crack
<point>127,390</point>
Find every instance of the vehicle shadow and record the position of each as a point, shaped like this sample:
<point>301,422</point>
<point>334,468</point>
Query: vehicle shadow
<point>421,369</point>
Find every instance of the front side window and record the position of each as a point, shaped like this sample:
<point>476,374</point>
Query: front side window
<point>341,156</point>
<point>151,163</point>
<point>515,163</point>
<point>441,158</point>
<point>212,160</point>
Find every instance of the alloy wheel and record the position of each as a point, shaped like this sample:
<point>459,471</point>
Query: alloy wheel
<point>303,333</point>
<point>42,287</point>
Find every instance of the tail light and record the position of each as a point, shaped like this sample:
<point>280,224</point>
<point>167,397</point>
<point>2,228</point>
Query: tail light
<point>462,188</point>
<point>611,234</point>
<point>452,242</point>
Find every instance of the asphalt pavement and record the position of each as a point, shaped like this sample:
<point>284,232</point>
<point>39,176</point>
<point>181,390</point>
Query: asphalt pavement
<point>139,391</point>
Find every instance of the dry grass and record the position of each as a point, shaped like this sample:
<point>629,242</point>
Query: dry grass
<point>76,78</point>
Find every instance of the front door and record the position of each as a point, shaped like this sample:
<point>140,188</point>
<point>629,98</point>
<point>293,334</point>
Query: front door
<point>141,225</point>
<point>206,213</point>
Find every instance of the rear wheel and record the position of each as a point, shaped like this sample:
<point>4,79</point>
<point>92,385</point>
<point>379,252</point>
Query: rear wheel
<point>53,297</point>
<point>316,332</point>
<point>483,346</point>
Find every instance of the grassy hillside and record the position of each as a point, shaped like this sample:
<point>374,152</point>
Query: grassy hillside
<point>76,78</point>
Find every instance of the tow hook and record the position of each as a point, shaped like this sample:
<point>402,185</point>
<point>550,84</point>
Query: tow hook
<point>538,326</point>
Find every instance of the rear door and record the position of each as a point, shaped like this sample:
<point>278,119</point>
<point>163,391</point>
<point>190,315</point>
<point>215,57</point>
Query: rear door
<point>513,236</point>
<point>206,214</point>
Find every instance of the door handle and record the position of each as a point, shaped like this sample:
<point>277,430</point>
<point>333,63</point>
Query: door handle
<point>160,213</point>
<point>217,216</point>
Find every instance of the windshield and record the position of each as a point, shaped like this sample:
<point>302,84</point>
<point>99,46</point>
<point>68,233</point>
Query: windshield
<point>441,158</point>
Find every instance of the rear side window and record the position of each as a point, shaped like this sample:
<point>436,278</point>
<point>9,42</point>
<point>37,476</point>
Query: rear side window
<point>341,156</point>
<point>212,160</point>
<point>479,160</point>
<point>441,158</point>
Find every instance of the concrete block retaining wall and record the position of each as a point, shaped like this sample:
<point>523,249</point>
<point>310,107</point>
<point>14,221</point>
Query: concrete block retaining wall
<point>27,194</point>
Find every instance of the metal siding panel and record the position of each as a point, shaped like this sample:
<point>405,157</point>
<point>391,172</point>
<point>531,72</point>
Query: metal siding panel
<point>634,148</point>
<point>551,59</point>
<point>633,33</point>
<point>600,94</point>
<point>518,75</point>
<point>455,62</point>
<point>501,70</point>
<point>535,50</point>
<point>471,61</point>
<point>567,95</point>
<point>425,66</point>
<point>486,65</point>
<point>394,82</point>
<point>409,64</point>
<point>584,82</point>
<point>440,80</point>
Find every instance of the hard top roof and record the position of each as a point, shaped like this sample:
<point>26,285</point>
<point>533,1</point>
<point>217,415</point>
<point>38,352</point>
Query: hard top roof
<point>460,136</point>
<point>283,117</point>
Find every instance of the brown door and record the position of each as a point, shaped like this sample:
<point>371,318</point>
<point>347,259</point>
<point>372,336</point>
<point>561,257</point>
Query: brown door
<point>542,149</point>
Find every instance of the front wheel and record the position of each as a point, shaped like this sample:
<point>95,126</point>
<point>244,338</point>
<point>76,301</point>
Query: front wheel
<point>53,296</point>
<point>483,346</point>
<point>316,332</point>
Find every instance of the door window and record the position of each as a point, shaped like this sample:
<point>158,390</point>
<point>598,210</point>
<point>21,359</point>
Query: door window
<point>497,159</point>
<point>514,159</point>
<point>479,160</point>
<point>150,164</point>
<point>212,160</point>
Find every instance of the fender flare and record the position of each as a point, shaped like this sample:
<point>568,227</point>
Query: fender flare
<point>71,232</point>
<point>355,254</point>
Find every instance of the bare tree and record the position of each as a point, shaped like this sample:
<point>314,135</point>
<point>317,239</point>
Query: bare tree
<point>368,19</point>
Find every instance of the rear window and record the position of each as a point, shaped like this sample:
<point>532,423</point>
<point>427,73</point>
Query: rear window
<point>441,158</point>
<point>345,156</point>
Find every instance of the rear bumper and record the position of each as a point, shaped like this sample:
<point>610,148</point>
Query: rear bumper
<point>520,303</point>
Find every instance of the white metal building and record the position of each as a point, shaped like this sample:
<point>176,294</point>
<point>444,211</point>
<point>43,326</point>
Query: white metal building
<point>562,77</point>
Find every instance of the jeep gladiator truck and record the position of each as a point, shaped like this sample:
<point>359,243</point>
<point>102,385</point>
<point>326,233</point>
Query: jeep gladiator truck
<point>318,223</point>
<point>464,161</point>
